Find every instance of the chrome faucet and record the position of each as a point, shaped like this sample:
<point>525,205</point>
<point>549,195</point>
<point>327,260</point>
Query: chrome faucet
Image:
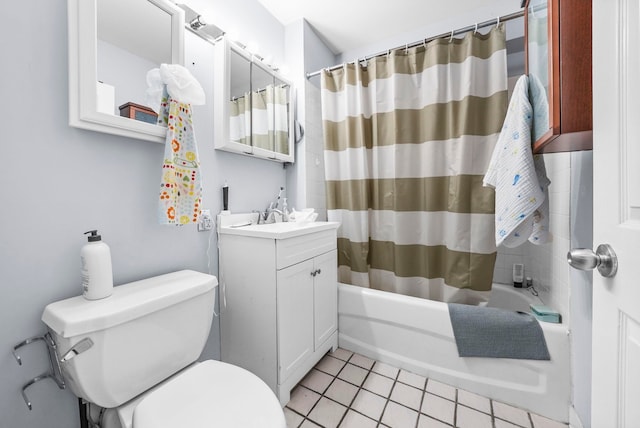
<point>268,216</point>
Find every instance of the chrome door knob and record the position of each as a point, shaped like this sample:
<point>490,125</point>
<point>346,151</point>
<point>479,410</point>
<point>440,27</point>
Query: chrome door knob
<point>585,259</point>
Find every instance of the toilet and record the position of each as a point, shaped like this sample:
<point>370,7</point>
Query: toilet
<point>133,356</point>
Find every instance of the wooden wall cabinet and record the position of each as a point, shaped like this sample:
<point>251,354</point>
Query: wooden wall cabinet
<point>558,61</point>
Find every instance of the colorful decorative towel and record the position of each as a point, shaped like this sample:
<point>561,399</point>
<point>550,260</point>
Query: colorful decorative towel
<point>513,174</point>
<point>180,187</point>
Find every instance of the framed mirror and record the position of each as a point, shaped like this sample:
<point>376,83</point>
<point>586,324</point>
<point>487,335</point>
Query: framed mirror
<point>108,65</point>
<point>253,105</point>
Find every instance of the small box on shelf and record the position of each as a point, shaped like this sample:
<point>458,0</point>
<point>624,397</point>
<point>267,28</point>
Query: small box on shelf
<point>138,112</point>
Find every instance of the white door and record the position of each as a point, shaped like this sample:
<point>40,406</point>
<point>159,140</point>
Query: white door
<point>616,212</point>
<point>295,317</point>
<point>325,297</point>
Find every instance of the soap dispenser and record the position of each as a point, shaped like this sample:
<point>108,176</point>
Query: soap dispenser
<point>97,275</point>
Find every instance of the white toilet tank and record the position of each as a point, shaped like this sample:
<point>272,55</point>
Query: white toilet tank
<point>143,333</point>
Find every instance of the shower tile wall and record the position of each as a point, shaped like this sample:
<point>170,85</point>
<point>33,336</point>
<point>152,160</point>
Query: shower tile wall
<point>547,264</point>
<point>316,193</point>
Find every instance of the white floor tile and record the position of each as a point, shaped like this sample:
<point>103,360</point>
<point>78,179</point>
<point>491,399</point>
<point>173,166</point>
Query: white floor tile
<point>302,400</point>
<point>293,419</point>
<point>355,395</point>
<point>499,423</point>
<point>385,370</point>
<point>379,384</point>
<point>356,420</point>
<point>412,379</point>
<point>369,404</point>
<point>353,374</point>
<point>511,414</point>
<point>341,354</point>
<point>327,413</point>
<point>407,395</point>
<point>342,392</point>
<point>441,389</point>
<point>438,408</point>
<point>398,416</point>
<point>362,361</point>
<point>317,381</point>
<point>542,422</point>
<point>330,365</point>
<point>427,422</point>
<point>469,418</point>
<point>474,401</point>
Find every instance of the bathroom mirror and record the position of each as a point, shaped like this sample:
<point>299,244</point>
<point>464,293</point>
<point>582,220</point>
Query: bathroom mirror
<point>538,62</point>
<point>253,105</point>
<point>112,44</point>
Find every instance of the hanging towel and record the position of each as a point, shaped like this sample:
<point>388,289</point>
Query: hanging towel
<point>513,174</point>
<point>180,187</point>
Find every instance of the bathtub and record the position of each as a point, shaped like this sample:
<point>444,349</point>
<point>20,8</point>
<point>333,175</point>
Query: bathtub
<point>416,335</point>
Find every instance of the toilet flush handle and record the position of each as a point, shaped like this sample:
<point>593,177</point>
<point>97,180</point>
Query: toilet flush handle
<point>77,349</point>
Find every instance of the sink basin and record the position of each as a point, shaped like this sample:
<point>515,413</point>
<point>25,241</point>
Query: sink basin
<point>278,230</point>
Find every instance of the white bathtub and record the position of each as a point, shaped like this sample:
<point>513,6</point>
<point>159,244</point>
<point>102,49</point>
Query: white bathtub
<point>416,335</point>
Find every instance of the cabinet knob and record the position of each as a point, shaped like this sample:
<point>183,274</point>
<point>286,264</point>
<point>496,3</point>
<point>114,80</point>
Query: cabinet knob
<point>319,271</point>
<point>314,273</point>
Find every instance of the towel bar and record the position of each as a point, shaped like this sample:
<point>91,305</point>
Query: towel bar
<point>54,372</point>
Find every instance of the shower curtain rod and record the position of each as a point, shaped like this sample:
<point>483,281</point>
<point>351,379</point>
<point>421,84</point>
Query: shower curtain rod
<point>418,43</point>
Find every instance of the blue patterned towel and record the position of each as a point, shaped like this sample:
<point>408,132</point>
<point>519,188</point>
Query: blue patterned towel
<point>512,172</point>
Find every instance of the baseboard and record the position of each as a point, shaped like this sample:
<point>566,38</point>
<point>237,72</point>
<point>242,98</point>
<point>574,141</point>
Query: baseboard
<point>574,419</point>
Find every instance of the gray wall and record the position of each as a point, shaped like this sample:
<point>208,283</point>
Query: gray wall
<point>59,182</point>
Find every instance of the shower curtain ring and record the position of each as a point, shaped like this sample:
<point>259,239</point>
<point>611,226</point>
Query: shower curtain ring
<point>497,21</point>
<point>475,30</point>
<point>451,37</point>
<point>406,48</point>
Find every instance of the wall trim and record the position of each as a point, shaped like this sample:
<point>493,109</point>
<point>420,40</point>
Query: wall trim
<point>574,419</point>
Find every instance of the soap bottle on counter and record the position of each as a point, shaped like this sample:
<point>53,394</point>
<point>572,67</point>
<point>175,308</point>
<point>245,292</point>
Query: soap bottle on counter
<point>97,275</point>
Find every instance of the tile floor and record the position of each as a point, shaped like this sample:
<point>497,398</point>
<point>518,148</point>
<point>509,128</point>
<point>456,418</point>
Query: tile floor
<point>350,390</point>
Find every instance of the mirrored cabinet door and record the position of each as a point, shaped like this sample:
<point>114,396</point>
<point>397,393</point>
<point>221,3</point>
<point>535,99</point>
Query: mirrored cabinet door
<point>239,101</point>
<point>253,110</point>
<point>112,45</point>
<point>558,44</point>
<point>262,109</point>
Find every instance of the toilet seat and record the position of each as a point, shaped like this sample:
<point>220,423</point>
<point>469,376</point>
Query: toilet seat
<point>210,394</point>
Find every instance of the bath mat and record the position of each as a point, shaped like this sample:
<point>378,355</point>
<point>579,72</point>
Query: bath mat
<point>497,333</point>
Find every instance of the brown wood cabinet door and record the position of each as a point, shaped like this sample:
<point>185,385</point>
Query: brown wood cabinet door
<point>558,62</point>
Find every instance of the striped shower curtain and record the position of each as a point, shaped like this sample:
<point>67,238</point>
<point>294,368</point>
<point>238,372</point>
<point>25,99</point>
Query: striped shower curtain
<point>408,138</point>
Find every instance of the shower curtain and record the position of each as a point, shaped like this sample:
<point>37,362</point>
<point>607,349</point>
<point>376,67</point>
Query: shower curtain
<point>408,138</point>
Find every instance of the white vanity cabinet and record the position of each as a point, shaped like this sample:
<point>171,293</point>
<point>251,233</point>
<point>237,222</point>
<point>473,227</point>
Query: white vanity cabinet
<point>278,301</point>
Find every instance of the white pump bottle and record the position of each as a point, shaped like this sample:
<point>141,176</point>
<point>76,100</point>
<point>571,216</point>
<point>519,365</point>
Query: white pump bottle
<point>97,275</point>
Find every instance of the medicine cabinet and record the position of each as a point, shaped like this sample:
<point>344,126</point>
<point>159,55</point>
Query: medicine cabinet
<point>558,60</point>
<point>253,105</point>
<point>112,44</point>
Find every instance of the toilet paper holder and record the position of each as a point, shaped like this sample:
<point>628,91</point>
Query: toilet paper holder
<point>54,372</point>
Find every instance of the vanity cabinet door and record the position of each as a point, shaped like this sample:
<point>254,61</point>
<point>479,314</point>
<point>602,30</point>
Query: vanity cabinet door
<point>294,317</point>
<point>325,292</point>
<point>558,62</point>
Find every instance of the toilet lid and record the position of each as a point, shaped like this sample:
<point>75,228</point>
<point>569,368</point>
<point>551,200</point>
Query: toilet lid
<point>211,394</point>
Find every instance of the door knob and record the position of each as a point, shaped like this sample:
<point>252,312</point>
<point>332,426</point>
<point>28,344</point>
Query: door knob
<point>604,259</point>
